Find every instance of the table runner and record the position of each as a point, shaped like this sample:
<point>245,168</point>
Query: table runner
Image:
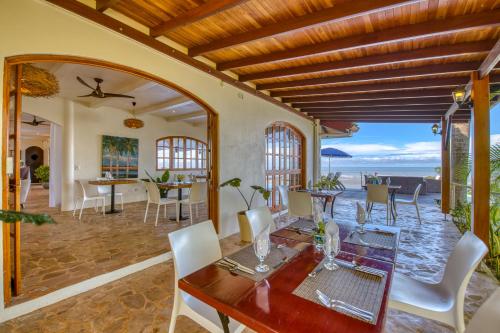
<point>246,257</point>
<point>373,238</point>
<point>360,289</point>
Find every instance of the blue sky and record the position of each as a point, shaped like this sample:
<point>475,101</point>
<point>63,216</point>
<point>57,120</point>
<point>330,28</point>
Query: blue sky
<point>400,144</point>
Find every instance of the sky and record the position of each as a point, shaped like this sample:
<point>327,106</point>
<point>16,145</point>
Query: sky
<point>397,144</point>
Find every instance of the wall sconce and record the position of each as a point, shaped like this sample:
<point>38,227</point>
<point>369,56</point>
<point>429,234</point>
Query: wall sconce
<point>436,129</point>
<point>458,95</point>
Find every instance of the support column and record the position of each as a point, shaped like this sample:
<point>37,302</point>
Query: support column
<point>445,168</point>
<point>481,157</point>
<point>460,138</point>
<point>68,156</point>
<point>317,152</point>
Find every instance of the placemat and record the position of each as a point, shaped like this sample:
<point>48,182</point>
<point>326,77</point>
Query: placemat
<point>373,238</point>
<point>360,289</point>
<point>303,224</point>
<point>246,257</point>
<point>290,234</point>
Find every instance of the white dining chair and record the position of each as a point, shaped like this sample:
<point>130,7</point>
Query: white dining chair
<point>283,192</point>
<point>197,196</point>
<point>378,194</point>
<point>260,218</point>
<point>442,301</point>
<point>413,202</point>
<point>299,204</point>
<point>154,197</point>
<point>106,191</point>
<point>83,195</point>
<point>193,248</point>
<point>25,190</point>
<point>487,317</point>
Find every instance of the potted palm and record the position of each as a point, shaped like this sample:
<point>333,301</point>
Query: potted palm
<point>245,233</point>
<point>43,174</point>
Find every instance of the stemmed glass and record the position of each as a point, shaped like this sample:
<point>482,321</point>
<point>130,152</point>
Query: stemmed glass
<point>388,181</point>
<point>262,247</point>
<point>331,248</point>
<point>360,217</point>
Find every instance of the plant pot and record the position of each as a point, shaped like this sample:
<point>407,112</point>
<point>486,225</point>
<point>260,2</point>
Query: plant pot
<point>245,232</point>
<point>45,186</point>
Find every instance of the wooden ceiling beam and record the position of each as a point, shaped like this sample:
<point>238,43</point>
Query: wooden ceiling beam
<point>360,117</point>
<point>376,75</point>
<point>406,120</point>
<point>441,51</point>
<point>211,7</point>
<point>343,11</point>
<point>360,88</point>
<point>102,5</point>
<point>402,33</point>
<point>491,61</point>
<point>91,14</point>
<point>372,96</point>
<point>441,108</point>
<point>384,102</point>
<point>382,115</point>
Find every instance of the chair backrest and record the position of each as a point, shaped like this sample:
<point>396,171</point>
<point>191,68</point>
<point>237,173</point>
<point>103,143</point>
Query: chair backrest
<point>194,247</point>
<point>283,190</point>
<point>461,264</point>
<point>487,317</point>
<point>377,193</point>
<point>103,189</point>
<point>198,192</point>
<point>81,189</point>
<point>417,192</point>
<point>153,192</point>
<point>25,189</point>
<point>260,218</point>
<point>299,204</point>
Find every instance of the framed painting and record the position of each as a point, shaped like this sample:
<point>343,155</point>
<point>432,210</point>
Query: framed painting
<point>120,156</point>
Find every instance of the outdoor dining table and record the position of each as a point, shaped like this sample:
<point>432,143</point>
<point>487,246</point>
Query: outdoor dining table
<point>112,183</point>
<point>270,304</point>
<point>393,189</point>
<point>326,195</point>
<point>179,187</point>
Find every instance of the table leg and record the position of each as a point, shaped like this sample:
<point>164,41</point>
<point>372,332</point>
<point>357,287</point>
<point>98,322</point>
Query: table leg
<point>225,321</point>
<point>179,197</point>
<point>331,209</point>
<point>112,209</point>
<point>393,200</point>
<point>324,205</point>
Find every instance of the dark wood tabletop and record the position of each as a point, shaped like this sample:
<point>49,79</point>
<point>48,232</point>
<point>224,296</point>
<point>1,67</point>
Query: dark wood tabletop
<point>270,306</point>
<point>108,182</point>
<point>172,186</point>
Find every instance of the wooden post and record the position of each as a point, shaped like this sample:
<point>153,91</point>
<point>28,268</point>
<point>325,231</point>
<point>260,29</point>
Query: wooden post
<point>445,168</point>
<point>481,157</point>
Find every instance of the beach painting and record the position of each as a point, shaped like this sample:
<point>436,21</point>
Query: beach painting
<point>120,156</point>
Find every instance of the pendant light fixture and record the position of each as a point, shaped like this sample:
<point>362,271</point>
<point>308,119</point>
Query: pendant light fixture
<point>133,122</point>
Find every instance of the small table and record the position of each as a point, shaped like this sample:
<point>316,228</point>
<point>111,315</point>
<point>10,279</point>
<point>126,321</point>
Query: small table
<point>392,191</point>
<point>179,187</point>
<point>112,183</point>
<point>327,196</point>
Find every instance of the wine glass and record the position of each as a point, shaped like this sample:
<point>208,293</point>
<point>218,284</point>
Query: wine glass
<point>331,248</point>
<point>360,217</point>
<point>388,181</point>
<point>262,247</point>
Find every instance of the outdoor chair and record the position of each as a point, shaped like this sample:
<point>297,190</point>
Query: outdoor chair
<point>442,301</point>
<point>197,196</point>
<point>193,248</point>
<point>155,198</point>
<point>299,204</point>
<point>260,218</point>
<point>84,196</point>
<point>106,191</point>
<point>413,202</point>
<point>487,317</point>
<point>378,194</point>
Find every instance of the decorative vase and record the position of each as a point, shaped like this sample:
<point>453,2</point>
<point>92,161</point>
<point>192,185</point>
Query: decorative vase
<point>45,186</point>
<point>245,232</point>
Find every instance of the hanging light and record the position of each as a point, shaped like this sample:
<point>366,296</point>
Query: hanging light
<point>436,129</point>
<point>459,95</point>
<point>133,122</point>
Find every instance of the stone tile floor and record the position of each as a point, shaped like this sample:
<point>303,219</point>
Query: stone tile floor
<point>56,256</point>
<point>142,302</point>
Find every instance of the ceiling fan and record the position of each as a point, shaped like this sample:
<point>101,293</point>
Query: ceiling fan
<point>97,92</point>
<point>35,122</point>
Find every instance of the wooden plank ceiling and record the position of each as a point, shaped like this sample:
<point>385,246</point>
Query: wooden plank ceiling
<point>373,60</point>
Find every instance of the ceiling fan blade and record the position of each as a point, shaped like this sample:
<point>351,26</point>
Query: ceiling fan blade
<point>89,95</point>
<point>117,95</point>
<point>84,83</point>
<point>27,122</point>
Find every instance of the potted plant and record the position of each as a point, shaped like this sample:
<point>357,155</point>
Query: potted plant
<point>43,174</point>
<point>245,233</point>
<point>163,179</point>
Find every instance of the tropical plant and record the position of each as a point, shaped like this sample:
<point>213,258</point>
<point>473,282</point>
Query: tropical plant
<point>330,182</point>
<point>43,173</point>
<point>11,216</point>
<point>236,183</point>
<point>163,179</point>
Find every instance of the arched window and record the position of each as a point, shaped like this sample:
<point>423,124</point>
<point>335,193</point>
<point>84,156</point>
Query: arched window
<point>284,160</point>
<point>180,153</point>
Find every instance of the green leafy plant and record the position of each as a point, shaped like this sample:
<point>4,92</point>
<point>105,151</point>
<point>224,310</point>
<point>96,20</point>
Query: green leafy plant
<point>163,179</point>
<point>330,182</point>
<point>10,216</point>
<point>180,178</point>
<point>236,183</point>
<point>43,173</point>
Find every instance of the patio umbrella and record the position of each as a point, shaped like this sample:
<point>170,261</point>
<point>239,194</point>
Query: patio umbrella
<point>333,152</point>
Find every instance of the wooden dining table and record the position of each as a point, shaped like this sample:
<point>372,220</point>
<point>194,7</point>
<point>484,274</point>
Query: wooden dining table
<point>179,187</point>
<point>326,195</point>
<point>271,306</point>
<point>112,183</point>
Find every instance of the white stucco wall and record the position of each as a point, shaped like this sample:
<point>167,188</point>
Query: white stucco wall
<point>34,26</point>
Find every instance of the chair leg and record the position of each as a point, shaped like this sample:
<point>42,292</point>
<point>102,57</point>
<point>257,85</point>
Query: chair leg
<point>121,197</point>
<point>75,205</point>
<point>81,209</point>
<point>175,312</point>
<point>191,212</point>
<point>177,212</point>
<point>103,206</point>
<point>197,210</point>
<point>387,215</point>
<point>146,214</point>
<point>165,211</point>
<point>418,213</point>
<point>157,213</point>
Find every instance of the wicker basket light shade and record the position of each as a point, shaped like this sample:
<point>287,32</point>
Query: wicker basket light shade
<point>38,82</point>
<point>133,123</point>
